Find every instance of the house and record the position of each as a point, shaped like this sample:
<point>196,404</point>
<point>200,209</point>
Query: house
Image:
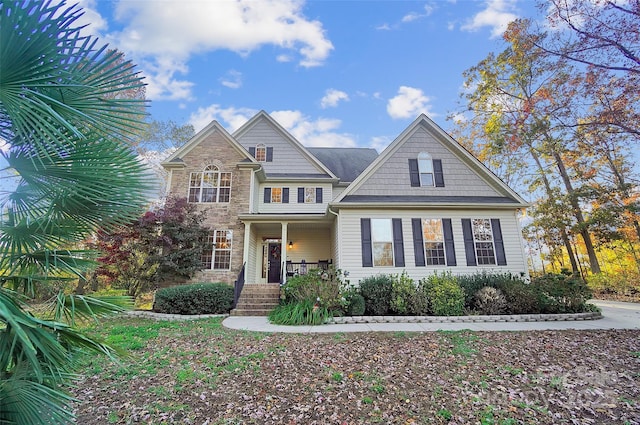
<point>278,208</point>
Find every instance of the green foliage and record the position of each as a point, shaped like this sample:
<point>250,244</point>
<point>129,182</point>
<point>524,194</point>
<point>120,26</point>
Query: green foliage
<point>355,304</point>
<point>471,284</point>
<point>623,284</point>
<point>317,286</point>
<point>403,290</point>
<point>376,291</point>
<point>446,297</point>
<point>197,298</point>
<point>304,312</point>
<point>561,293</point>
<point>67,109</point>
<point>522,298</point>
<point>419,302</point>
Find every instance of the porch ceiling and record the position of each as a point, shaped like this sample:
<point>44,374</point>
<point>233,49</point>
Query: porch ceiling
<point>275,228</point>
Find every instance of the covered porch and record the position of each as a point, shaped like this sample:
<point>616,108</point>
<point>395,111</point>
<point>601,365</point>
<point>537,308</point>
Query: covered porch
<point>277,248</point>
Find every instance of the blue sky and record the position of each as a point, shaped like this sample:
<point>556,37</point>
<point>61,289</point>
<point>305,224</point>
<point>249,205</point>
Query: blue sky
<point>334,73</point>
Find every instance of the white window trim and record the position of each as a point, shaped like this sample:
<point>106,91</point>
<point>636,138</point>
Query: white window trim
<point>209,169</point>
<point>425,242</point>
<point>476,241</point>
<point>374,241</point>
<point>215,249</point>
<point>281,191</point>
<point>263,147</point>
<point>425,166</point>
<point>313,196</point>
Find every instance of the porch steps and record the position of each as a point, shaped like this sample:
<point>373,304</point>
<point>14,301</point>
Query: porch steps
<point>257,300</point>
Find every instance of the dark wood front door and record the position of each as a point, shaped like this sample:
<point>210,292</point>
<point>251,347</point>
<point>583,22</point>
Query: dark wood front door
<point>275,265</point>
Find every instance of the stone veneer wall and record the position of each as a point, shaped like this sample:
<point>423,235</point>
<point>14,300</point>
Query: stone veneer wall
<point>216,150</point>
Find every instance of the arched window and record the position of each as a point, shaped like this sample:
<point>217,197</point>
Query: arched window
<point>261,153</point>
<point>210,185</point>
<point>425,167</point>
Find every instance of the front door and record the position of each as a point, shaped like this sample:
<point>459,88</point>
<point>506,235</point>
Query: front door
<point>275,265</point>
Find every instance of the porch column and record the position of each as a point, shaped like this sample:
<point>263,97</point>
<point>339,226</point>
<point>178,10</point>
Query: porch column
<point>283,251</point>
<point>248,276</point>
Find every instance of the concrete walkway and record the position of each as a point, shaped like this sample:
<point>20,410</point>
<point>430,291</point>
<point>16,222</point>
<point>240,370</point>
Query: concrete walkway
<point>616,315</point>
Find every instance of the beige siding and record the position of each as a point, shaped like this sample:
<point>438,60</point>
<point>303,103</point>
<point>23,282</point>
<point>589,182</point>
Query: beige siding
<point>286,157</point>
<point>293,206</point>
<point>392,177</point>
<point>310,245</point>
<point>351,259</point>
<point>252,270</point>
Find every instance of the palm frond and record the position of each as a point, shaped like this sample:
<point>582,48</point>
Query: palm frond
<point>69,308</point>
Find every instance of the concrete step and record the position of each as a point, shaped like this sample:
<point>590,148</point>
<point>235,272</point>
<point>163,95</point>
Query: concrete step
<point>255,306</point>
<point>252,312</point>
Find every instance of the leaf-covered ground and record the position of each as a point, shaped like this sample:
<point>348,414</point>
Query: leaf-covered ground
<point>200,373</point>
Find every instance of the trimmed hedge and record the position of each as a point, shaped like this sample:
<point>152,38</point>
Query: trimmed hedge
<point>197,298</point>
<point>376,291</point>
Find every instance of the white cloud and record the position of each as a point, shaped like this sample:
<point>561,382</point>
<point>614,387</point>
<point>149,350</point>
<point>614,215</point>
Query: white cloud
<point>408,103</point>
<point>497,15</point>
<point>231,118</point>
<point>164,35</point>
<point>414,16</point>
<point>233,79</point>
<point>332,97</point>
<point>379,143</point>
<point>319,132</point>
<point>96,24</point>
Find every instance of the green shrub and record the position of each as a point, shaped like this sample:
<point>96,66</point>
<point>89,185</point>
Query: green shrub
<point>419,303</point>
<point>522,298</point>
<point>376,291</point>
<point>446,297</point>
<point>562,293</point>
<point>355,304</point>
<point>198,298</point>
<point>316,286</point>
<point>403,290</point>
<point>304,312</point>
<point>471,284</point>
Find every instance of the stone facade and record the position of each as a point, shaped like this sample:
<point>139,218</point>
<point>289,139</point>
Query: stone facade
<point>216,150</point>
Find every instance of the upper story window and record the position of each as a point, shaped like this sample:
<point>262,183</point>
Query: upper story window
<point>425,168</point>
<point>261,153</point>
<point>276,195</point>
<point>309,195</point>
<point>210,185</point>
<point>425,171</point>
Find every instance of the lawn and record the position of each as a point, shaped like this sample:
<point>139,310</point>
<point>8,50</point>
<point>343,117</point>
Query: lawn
<point>201,373</point>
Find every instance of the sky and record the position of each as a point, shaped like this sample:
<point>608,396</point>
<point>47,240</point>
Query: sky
<point>333,73</point>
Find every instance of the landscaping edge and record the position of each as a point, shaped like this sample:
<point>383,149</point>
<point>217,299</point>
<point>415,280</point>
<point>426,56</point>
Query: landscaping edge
<point>402,319</point>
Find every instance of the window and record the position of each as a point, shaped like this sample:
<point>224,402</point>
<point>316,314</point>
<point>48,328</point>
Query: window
<point>261,153</point>
<point>309,195</point>
<point>210,185</point>
<point>483,241</point>
<point>433,237</point>
<point>217,252</point>
<point>382,241</point>
<point>276,195</point>
<point>425,168</point>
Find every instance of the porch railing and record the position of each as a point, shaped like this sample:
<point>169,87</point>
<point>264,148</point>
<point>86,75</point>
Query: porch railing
<point>302,267</point>
<point>238,285</point>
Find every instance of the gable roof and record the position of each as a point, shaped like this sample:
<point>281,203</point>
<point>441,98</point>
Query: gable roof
<point>464,155</point>
<point>263,116</point>
<point>175,159</point>
<point>345,163</point>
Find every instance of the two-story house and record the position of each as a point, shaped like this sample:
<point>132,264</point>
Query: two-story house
<point>277,208</point>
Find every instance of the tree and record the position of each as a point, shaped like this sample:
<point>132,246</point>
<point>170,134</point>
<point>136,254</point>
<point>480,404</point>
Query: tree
<point>66,129</point>
<point>164,245</point>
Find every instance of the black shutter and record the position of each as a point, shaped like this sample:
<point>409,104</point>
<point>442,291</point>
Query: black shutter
<point>252,151</point>
<point>318,195</point>
<point>365,235</point>
<point>414,173</point>
<point>285,195</point>
<point>301,195</point>
<point>449,246</point>
<point>438,176</point>
<point>269,154</point>
<point>398,242</point>
<point>501,258</point>
<point>469,246</point>
<point>267,195</point>
<point>418,241</point>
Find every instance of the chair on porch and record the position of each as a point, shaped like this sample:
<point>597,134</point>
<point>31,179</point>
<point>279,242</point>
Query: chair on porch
<point>290,271</point>
<point>323,264</point>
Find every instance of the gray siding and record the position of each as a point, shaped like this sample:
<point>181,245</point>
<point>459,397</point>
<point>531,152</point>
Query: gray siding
<point>293,206</point>
<point>286,157</point>
<point>351,259</point>
<point>392,177</point>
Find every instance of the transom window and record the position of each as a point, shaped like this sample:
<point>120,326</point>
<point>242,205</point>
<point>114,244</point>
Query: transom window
<point>483,241</point>
<point>382,242</point>
<point>433,237</point>
<point>276,195</point>
<point>217,251</point>
<point>261,153</point>
<point>425,167</point>
<point>309,195</point>
<point>210,185</point>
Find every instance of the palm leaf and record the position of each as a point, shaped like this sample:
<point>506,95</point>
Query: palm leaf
<point>69,308</point>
